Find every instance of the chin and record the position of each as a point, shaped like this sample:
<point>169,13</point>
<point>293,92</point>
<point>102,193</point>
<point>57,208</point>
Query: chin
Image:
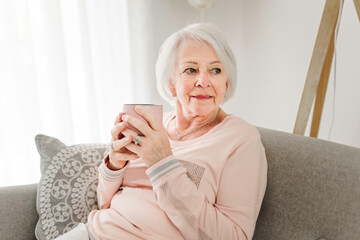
<point>202,111</point>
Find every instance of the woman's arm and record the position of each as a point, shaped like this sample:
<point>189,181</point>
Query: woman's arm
<point>113,167</point>
<point>240,193</point>
<point>109,183</point>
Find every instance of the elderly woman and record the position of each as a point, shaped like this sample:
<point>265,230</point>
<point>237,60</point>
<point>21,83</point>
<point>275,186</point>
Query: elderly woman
<point>201,174</point>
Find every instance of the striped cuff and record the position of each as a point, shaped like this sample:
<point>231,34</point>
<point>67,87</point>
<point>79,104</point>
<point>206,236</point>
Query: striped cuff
<point>163,168</point>
<point>111,175</point>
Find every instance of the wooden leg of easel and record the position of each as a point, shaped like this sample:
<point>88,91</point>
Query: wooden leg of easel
<point>327,24</point>
<point>357,7</point>
<point>321,89</point>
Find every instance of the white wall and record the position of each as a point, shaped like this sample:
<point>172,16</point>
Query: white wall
<point>273,42</point>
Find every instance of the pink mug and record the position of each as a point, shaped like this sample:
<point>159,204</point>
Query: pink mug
<point>157,110</point>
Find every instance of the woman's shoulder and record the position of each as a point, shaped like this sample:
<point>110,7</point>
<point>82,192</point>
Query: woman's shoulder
<point>236,125</point>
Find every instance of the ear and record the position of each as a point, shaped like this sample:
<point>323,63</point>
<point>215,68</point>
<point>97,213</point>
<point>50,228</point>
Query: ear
<point>172,88</point>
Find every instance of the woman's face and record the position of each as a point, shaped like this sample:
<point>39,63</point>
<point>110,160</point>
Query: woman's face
<point>200,80</point>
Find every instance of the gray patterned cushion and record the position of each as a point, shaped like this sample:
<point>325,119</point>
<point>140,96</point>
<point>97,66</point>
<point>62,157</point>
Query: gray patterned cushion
<point>67,188</point>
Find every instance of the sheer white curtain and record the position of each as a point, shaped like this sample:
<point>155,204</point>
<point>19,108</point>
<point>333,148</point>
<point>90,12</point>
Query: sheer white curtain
<point>64,65</point>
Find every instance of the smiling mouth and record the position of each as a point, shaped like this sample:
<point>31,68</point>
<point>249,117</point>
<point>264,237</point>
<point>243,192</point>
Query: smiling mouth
<point>202,97</point>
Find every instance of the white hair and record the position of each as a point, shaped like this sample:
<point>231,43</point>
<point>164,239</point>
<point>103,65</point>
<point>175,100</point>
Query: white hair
<point>206,32</point>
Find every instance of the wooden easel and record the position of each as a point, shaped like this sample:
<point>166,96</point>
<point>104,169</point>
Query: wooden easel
<point>319,69</point>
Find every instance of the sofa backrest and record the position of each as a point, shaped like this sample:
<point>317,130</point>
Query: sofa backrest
<point>313,189</point>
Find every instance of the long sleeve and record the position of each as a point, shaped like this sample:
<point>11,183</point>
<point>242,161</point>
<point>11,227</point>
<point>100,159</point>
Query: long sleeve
<point>240,191</point>
<point>109,183</point>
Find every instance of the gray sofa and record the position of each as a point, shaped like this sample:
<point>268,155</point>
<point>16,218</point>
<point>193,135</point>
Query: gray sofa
<point>313,193</point>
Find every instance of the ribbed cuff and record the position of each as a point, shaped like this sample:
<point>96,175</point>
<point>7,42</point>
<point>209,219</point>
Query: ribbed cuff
<point>161,170</point>
<point>111,175</point>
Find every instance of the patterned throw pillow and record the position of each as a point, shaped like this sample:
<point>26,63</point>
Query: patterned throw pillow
<point>67,188</point>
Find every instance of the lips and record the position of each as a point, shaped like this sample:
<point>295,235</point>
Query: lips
<point>202,97</point>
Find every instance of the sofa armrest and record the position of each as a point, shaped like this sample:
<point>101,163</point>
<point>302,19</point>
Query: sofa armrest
<point>18,212</point>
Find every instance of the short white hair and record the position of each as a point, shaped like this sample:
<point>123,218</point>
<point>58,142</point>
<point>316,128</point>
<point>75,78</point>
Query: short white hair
<point>206,32</point>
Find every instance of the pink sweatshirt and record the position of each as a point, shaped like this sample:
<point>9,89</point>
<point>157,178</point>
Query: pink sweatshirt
<point>210,188</point>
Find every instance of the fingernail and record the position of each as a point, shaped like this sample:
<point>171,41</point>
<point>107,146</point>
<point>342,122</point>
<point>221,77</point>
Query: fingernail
<point>124,117</point>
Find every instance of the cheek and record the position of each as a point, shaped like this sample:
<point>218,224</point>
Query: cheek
<point>185,87</point>
<point>220,89</point>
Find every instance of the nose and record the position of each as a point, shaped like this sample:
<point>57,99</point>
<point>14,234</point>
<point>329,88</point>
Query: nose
<point>203,80</point>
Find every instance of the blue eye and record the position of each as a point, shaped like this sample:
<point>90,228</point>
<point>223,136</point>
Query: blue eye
<point>190,70</point>
<point>216,70</point>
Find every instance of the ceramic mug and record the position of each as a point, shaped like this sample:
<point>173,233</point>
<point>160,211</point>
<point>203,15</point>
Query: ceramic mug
<point>157,110</point>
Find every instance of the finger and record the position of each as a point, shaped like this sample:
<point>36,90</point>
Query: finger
<point>149,117</point>
<point>135,148</point>
<point>118,118</point>
<point>117,130</point>
<point>118,144</point>
<point>140,125</point>
<point>119,156</point>
<point>129,133</point>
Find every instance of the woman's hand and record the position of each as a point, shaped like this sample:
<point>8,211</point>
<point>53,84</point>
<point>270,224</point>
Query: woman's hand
<point>119,155</point>
<point>154,145</point>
